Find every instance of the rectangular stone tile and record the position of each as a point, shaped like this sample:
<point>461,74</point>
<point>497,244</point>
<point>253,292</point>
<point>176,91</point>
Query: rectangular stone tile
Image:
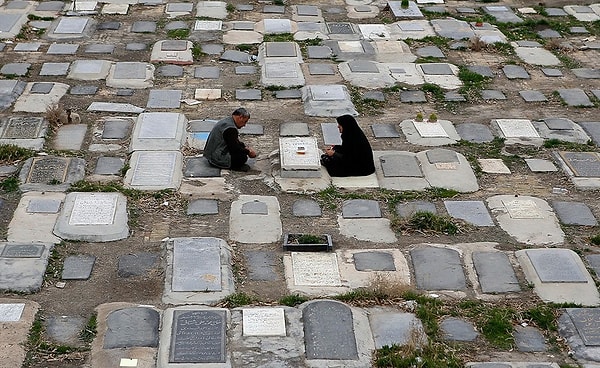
<point>385,131</point>
<point>331,134</point>
<point>583,164</point>
<point>517,128</point>
<point>555,265</point>
<point>187,326</point>
<point>473,212</point>
<point>263,322</point>
<point>574,213</point>
<point>196,265</point>
<point>361,208</point>
<point>299,153</point>
<point>165,99</point>
<point>522,209</point>
<point>430,130</point>
<point>495,272</point>
<point>315,269</point>
<point>400,166</point>
<point>438,269</point>
<point>586,323</point>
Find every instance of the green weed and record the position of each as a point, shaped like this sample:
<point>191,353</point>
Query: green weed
<point>293,300</point>
<point>473,83</point>
<point>543,316</point>
<point>113,186</point>
<point>595,239</point>
<point>37,17</point>
<point>311,239</point>
<point>497,327</point>
<point>244,47</point>
<point>10,153</point>
<point>10,184</point>
<point>281,37</point>
<point>567,61</point>
<point>426,222</point>
<point>178,34</point>
<point>197,52</point>
<point>434,90</point>
<point>88,333</point>
<point>237,300</point>
<point>569,146</point>
<point>432,355</point>
<point>230,8</point>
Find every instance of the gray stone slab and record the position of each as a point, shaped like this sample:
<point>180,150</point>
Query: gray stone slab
<point>22,251</point>
<point>395,328</point>
<point>329,331</point>
<point>586,73</point>
<point>196,264</point>
<point>374,95</point>
<point>361,208</point>
<point>245,70</point>
<point>169,70</point>
<point>473,212</point>
<point>321,69</point>
<point>248,94</point>
<point>293,129</point>
<point>574,213</point>
<point>592,128</point>
<point>410,208</point>
<point>187,326</point>
<point>65,329</point>
<point>274,9</point>
<point>559,124</point>
<point>108,26</point>
<point>340,28</point>
<point>413,96</point>
<point>594,261</point>
<point>395,165</point>
<point>586,323</point>
<point>70,137</point>
<point>540,165</point>
<point>555,12</point>
<point>374,261</point>
<point>491,94</point>
<point>236,56</point>
<point>207,72</point>
<point>199,167</point>
<point>441,156</point>
<point>20,127</point>
<point>502,14</point>
<point>243,26</point>
<point>83,90</point>
<point>40,205</point>
<point>306,208</point>
<point>71,25</point>
<point>436,69</point>
<point>164,99</point>
<point>137,264</point>
<point>109,165</point>
<point>255,207</point>
<point>136,46</point>
<point>130,70</point>
<point>280,49</point>
<point>288,94</point>
<point>262,265</point>
<point>319,52</point>
<point>430,51</point>
<point>438,269</point>
<point>50,6</point>
<point>78,267</point>
<point>456,329</point>
<point>307,10</point>
<point>62,49</point>
<point>549,33</point>
<point>578,30</point>
<point>277,26</point>
<point>125,92</point>
<point>132,327</point>
<point>362,66</point>
<point>575,97</point>
<point>212,48</point>
<point>454,96</point>
<point>203,207</point>
<point>515,72</point>
<point>331,134</point>
<point>529,339</point>
<point>385,131</point>
<point>54,69</point>
<point>495,272</point>
<point>142,26</point>
<point>27,47</point>
<point>99,48</point>
<point>252,129</point>
<point>596,93</point>
<point>51,173</point>
<point>244,7</point>
<point>533,96</point>
<point>555,266</point>
<point>41,88</point>
<point>18,69</point>
<point>476,133</point>
<point>583,164</point>
<point>116,129</point>
<point>528,43</point>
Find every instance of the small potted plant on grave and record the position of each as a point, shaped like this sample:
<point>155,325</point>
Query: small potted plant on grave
<point>432,118</point>
<point>479,22</point>
<point>404,4</point>
<point>307,242</point>
<point>419,117</point>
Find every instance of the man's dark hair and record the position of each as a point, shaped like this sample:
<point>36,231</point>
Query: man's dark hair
<point>240,111</point>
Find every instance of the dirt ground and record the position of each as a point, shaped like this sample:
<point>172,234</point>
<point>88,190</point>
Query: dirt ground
<point>151,220</point>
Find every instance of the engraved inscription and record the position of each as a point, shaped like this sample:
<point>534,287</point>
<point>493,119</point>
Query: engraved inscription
<point>154,169</point>
<point>22,128</point>
<point>93,209</point>
<point>315,269</point>
<point>48,169</point>
<point>587,322</point>
<point>11,312</point>
<point>264,322</point>
<point>22,251</point>
<point>522,209</point>
<point>198,337</point>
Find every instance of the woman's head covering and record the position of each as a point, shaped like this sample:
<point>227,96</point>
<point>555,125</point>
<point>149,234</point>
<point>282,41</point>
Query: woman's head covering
<point>349,125</point>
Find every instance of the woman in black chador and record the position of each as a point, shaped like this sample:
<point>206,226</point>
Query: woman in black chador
<point>354,156</point>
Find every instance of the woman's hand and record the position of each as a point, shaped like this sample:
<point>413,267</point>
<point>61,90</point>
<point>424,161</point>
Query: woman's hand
<point>329,151</point>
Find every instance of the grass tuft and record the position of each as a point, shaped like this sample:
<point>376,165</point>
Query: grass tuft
<point>427,222</point>
<point>237,300</point>
<point>293,300</point>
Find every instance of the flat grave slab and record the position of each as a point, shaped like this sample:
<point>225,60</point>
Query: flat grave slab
<point>319,52</point>
<point>287,74</point>
<point>89,69</point>
<point>533,96</point>
<point>456,329</point>
<point>586,73</point>
<point>290,129</point>
<point>517,128</point>
<point>9,91</point>
<point>199,167</point>
<point>515,72</point>
<point>411,12</point>
<point>306,208</point>
<point>473,212</point>
<point>164,99</point>
<point>413,96</point>
<point>438,269</point>
<point>315,269</point>
<point>329,331</point>
<point>251,228</point>
<point>493,166</point>
<point>490,94</point>
<point>575,97</point>
<point>530,339</point>
<point>502,14</point>
<point>277,26</point>
<point>361,208</point>
<point>410,208</point>
<point>395,328</point>
<point>582,164</point>
<point>207,72</point>
<point>177,52</point>
<point>331,134</point>
<point>288,94</point>
<point>263,322</point>
<point>533,56</point>
<point>109,165</point>
<point>196,265</point>
<point>262,265</point>
<point>136,75</point>
<point>425,133</point>
<point>71,25</point>
<point>430,129</point>
<point>248,94</point>
<point>83,90</point>
<point>592,128</point>
<point>327,100</point>
<point>400,165</point>
<point>299,153</point>
<point>453,172</point>
<point>156,131</point>
<point>208,25</point>
<point>385,131</point>
<point>94,217</point>
<point>54,69</point>
<point>115,128</point>
<point>154,170</point>
<point>78,267</point>
<point>374,261</point>
<point>580,326</point>
<point>70,137</point>
<point>26,132</point>
<point>50,173</point>
<point>137,264</point>
<point>22,268</point>
<point>495,272</point>
<point>556,265</point>
<point>540,165</point>
<point>203,207</point>
<point>574,213</point>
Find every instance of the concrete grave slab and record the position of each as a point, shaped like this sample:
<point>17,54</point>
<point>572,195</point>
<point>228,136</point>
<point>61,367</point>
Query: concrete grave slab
<point>517,131</point>
<point>493,166</point>
<point>473,132</point>
<point>561,129</point>
<point>64,329</point>
<point>306,208</point>
<point>177,52</point>
<point>309,270</point>
<point>54,69</point>
<point>529,339</point>
<point>70,137</point>
<point>95,217</point>
<point>27,47</point>
<point>568,283</point>
<point>245,70</point>
<point>427,133</point>
<point>84,90</point>
<point>300,157</point>
<point>574,213</point>
<point>374,31</point>
<point>89,69</point>
<point>578,326</point>
<point>413,96</point>
<point>99,48</point>
<point>438,268</point>
<point>235,37</point>
<point>430,51</point>
<point>34,218</point>
<point>581,164</point>
<point>207,94</point>
<point>515,72</point>
<point>115,128</point>
<point>274,9</point>
<point>490,94</point>
<point>555,12</point>
<point>592,129</point>
<point>134,75</point>
<point>502,14</point>
<point>384,131</point>
<point>540,165</point>
<point>360,208</point>
<point>472,212</point>
<point>109,165</point>
<point>71,28</point>
<point>586,73</point>
<point>23,266</point>
<point>287,74</point>
<point>178,9</point>
<point>157,131</point>
<point>321,69</point>
<point>212,48</point>
<point>319,52</point>
<point>154,170</point>
<point>327,101</point>
<point>456,329</point>
<point>527,219</point>
<point>203,207</point>
<point>30,101</point>
<point>366,74</point>
<point>49,173</point>
<point>132,327</point>
<point>575,97</point>
<point>533,96</point>
<point>400,165</point>
<point>411,12</point>
<point>275,26</point>
<point>11,24</point>
<point>452,175</point>
<point>290,129</point>
<point>78,267</point>
<point>250,228</point>
<point>138,264</point>
<point>391,327</point>
<point>207,72</point>
<point>414,29</point>
<point>495,272</point>
<point>164,99</point>
<point>26,132</point>
<point>581,13</point>
<point>367,229</point>
<point>452,28</point>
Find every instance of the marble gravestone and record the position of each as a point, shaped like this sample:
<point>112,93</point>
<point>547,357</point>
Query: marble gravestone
<point>300,157</point>
<point>188,326</point>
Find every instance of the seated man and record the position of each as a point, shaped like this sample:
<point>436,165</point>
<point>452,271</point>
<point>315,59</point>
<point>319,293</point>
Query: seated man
<point>223,148</point>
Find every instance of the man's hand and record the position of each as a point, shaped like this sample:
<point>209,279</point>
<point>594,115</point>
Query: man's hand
<point>251,153</point>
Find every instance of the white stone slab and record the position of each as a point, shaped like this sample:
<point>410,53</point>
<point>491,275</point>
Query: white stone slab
<point>374,31</point>
<point>208,25</point>
<point>253,228</point>
<point>71,25</point>
<point>155,170</point>
<point>351,46</point>
<point>493,166</point>
<point>263,322</point>
<point>430,130</point>
<point>517,128</point>
<point>156,131</point>
<point>196,265</point>
<point>299,153</point>
<point>522,209</point>
<point>93,209</point>
<point>11,312</point>
<point>277,26</point>
<point>315,269</point>
<point>327,93</point>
